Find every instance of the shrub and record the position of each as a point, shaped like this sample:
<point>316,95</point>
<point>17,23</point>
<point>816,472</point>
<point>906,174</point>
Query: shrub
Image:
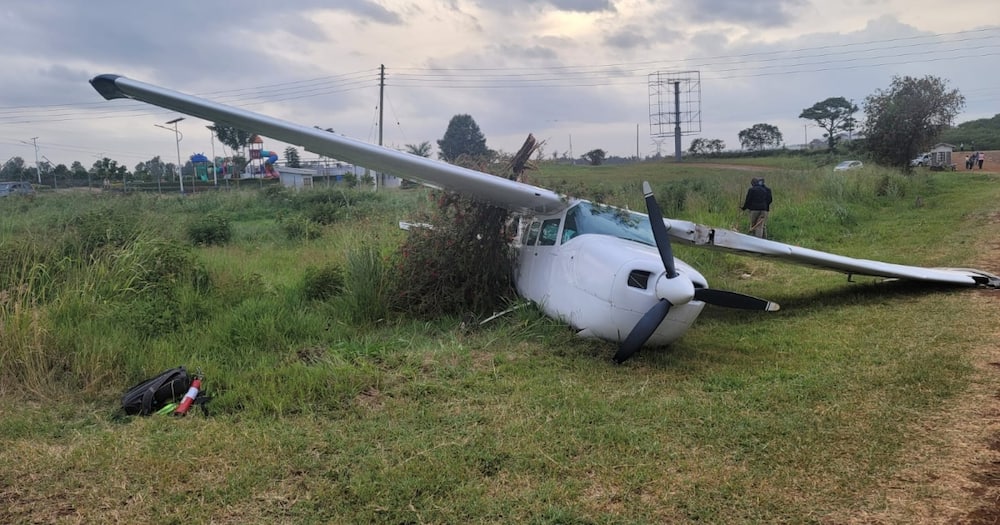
<point>97,229</point>
<point>464,265</point>
<point>210,229</point>
<point>323,283</point>
<point>299,227</point>
<point>324,213</point>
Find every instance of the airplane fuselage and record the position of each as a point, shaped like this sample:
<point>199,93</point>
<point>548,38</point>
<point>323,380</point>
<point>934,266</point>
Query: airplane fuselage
<point>595,267</point>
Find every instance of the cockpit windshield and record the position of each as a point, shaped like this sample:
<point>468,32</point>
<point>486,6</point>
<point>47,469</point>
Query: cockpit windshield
<point>587,217</point>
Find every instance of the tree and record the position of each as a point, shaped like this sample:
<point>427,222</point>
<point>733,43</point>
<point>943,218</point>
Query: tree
<point>833,114</point>
<point>292,159</point>
<point>235,138</point>
<point>79,172</point>
<point>759,136</point>
<point>110,170</point>
<point>702,146</point>
<point>976,134</point>
<point>421,150</point>
<point>152,169</point>
<point>60,173</point>
<point>907,118</point>
<point>13,169</point>
<point>462,137</point>
<point>595,156</point>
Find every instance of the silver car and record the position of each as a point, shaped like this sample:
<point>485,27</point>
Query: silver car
<point>16,188</point>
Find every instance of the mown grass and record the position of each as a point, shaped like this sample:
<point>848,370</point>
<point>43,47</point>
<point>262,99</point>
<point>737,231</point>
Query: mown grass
<point>339,410</point>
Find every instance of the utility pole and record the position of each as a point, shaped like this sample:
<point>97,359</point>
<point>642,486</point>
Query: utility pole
<point>34,142</point>
<point>381,106</point>
<point>637,143</point>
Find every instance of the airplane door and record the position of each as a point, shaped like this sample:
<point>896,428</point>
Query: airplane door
<point>542,255</point>
<point>526,260</point>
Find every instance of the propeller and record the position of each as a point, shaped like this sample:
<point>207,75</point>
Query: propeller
<point>676,289</point>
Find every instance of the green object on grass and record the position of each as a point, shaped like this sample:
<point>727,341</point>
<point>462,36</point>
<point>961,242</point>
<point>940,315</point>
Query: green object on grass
<point>167,409</point>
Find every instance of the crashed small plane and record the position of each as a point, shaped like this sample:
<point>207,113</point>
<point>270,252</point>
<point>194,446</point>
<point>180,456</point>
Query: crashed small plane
<point>607,272</point>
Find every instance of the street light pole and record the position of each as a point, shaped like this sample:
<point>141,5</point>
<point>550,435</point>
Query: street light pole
<point>178,136</point>
<point>215,169</point>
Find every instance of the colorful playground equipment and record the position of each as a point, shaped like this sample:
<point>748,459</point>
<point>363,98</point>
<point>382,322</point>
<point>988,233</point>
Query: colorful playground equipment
<point>266,158</point>
<point>203,167</point>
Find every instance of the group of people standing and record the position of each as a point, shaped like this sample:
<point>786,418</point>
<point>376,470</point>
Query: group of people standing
<point>977,158</point>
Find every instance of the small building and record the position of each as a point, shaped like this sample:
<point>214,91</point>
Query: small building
<point>941,157</point>
<point>296,178</point>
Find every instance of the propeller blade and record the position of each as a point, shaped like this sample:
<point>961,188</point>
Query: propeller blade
<point>659,230</point>
<point>734,300</point>
<point>642,331</point>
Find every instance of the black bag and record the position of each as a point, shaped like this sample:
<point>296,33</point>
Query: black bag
<point>154,393</point>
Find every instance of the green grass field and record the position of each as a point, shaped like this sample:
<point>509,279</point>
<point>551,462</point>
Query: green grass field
<point>857,402</point>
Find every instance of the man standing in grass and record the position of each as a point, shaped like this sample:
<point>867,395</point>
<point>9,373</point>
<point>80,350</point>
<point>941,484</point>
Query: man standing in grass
<point>758,201</point>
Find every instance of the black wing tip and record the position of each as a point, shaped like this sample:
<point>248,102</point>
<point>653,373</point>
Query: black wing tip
<point>106,86</point>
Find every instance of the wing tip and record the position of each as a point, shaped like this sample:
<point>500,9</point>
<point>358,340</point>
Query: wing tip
<point>106,86</point>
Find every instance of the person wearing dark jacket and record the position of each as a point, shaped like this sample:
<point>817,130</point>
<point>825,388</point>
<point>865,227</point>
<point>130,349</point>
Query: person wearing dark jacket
<point>758,201</point>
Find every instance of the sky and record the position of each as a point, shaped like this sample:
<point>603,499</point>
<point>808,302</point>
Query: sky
<point>577,74</point>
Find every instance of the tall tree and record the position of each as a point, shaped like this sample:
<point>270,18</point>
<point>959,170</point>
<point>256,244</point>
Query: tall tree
<point>13,169</point>
<point>109,169</point>
<point>907,118</point>
<point>462,137</point>
<point>154,169</point>
<point>235,138</point>
<point>760,136</point>
<point>79,172</point>
<point>422,150</point>
<point>595,156</point>
<point>292,159</point>
<point>833,114</point>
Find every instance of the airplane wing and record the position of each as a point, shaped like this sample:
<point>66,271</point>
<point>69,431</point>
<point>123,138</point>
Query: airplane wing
<point>727,240</point>
<point>502,192</point>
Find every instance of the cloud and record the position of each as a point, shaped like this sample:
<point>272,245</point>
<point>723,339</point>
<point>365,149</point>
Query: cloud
<point>756,13</point>
<point>523,6</point>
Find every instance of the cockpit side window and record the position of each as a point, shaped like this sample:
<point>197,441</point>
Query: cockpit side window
<point>550,232</point>
<point>570,229</point>
<point>531,234</point>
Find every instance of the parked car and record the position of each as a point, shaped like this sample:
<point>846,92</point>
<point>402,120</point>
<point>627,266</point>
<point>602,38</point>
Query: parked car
<point>923,160</point>
<point>848,165</point>
<point>16,188</point>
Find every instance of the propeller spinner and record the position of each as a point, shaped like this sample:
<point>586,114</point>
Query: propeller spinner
<point>675,289</point>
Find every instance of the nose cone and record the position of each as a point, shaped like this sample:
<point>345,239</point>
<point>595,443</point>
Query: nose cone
<point>677,291</point>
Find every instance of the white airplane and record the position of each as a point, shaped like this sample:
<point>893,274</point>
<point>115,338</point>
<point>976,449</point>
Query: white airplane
<point>607,272</point>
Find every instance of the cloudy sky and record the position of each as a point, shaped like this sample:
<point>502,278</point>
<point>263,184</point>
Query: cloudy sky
<point>575,73</point>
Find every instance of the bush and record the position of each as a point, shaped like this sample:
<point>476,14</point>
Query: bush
<point>323,283</point>
<point>98,229</point>
<point>324,213</point>
<point>298,228</point>
<point>463,266</point>
<point>210,229</point>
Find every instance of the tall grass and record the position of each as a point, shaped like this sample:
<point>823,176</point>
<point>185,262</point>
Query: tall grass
<point>330,407</point>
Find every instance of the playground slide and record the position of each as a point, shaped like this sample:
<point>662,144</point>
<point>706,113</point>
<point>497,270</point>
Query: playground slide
<point>270,157</point>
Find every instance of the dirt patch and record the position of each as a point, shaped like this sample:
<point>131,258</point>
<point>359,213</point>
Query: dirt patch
<point>991,164</point>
